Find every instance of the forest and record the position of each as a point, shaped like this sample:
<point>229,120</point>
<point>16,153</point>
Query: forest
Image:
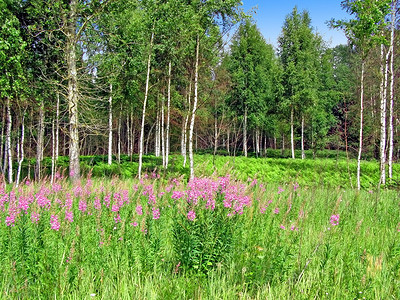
<point>162,149</point>
<point>116,78</point>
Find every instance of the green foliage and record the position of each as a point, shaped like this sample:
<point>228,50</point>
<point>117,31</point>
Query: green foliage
<point>202,244</point>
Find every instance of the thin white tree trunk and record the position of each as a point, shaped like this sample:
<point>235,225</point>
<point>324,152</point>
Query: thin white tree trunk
<point>57,150</point>
<point>168,116</point>
<point>53,151</point>
<point>128,135</point>
<point>8,142</point>
<point>20,149</point>
<point>391,109</point>
<point>157,135</point>
<point>162,131</point>
<point>110,120</point>
<point>119,139</point>
<point>196,75</point>
<point>215,135</point>
<point>185,126</point>
<point>146,92</point>
<point>245,131</point>
<point>303,156</point>
<point>292,130</point>
<point>40,144</point>
<point>228,140</point>
<point>74,168</point>
<point>383,92</point>
<point>2,144</point>
<point>361,126</point>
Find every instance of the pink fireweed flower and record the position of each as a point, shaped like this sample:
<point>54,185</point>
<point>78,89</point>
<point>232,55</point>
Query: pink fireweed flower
<point>134,224</point>
<point>35,217</point>
<point>56,187</point>
<point>191,215</point>
<point>55,225</point>
<point>139,210</point>
<point>282,227</point>
<point>117,219</point>
<point>69,216</point>
<point>156,213</point>
<point>295,186</point>
<point>280,190</point>
<point>177,195</point>
<point>82,206</point>
<point>115,208</point>
<point>334,220</point>
<point>10,220</point>
<point>276,211</point>
<point>96,203</point>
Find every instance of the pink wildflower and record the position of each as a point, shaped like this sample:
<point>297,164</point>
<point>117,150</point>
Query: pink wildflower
<point>334,220</point>
<point>156,213</point>
<point>139,210</point>
<point>191,215</point>
<point>55,225</point>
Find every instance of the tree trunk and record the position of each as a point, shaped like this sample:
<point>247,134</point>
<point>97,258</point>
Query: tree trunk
<point>157,135</point>
<point>20,149</point>
<point>391,109</point>
<point>110,120</point>
<point>168,116</point>
<point>119,138</point>
<point>53,151</point>
<point>57,150</point>
<point>292,130</point>
<point>146,92</point>
<point>40,142</point>
<point>215,135</point>
<point>8,142</point>
<point>185,125</point>
<point>162,131</point>
<point>245,132</point>
<point>2,144</point>
<point>196,75</point>
<point>228,140</point>
<point>303,156</point>
<point>383,94</point>
<point>361,126</point>
<point>74,168</point>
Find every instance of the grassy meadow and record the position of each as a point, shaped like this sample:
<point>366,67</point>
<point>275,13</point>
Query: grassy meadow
<point>255,228</point>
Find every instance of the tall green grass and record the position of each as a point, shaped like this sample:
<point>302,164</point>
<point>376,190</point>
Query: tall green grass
<point>283,246</point>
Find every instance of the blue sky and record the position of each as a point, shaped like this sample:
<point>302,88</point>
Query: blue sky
<point>271,14</point>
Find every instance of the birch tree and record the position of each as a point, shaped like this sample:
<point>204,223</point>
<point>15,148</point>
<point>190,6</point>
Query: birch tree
<point>364,32</point>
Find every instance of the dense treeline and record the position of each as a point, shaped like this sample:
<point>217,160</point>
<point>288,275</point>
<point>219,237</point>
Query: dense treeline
<point>126,77</point>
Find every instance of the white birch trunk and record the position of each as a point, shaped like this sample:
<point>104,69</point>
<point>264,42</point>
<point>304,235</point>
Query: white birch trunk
<point>391,109</point>
<point>303,155</point>
<point>383,94</point>
<point>228,140</point>
<point>40,142</point>
<point>292,130</point>
<point>20,150</point>
<point>110,120</point>
<point>157,135</point>
<point>185,126</point>
<point>361,126</point>
<point>245,132</point>
<point>141,140</point>
<point>162,132</point>
<point>74,168</point>
<point>2,145</point>
<point>53,151</point>
<point>8,142</point>
<point>57,150</point>
<point>215,135</point>
<point>119,139</point>
<point>168,116</point>
<point>196,75</point>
